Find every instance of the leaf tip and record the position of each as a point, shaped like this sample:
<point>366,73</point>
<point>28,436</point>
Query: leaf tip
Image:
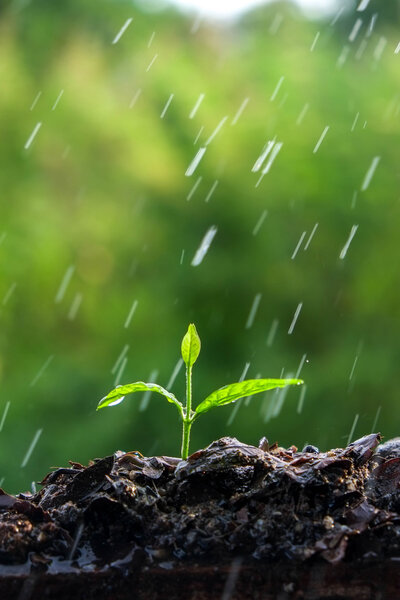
<point>191,345</point>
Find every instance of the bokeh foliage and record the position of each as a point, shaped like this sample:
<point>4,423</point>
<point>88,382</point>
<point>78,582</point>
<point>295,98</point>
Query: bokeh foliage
<point>102,190</point>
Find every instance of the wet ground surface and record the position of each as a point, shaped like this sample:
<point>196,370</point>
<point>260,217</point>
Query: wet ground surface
<point>228,504</point>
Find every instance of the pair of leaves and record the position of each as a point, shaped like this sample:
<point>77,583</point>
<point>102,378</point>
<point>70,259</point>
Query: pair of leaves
<point>230,393</point>
<point>226,395</point>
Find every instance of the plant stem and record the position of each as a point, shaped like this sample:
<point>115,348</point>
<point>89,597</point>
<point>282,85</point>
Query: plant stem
<point>187,420</point>
<point>187,424</point>
<point>188,391</point>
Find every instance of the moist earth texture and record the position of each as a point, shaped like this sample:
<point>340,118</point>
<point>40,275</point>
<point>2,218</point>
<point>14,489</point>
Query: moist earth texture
<point>247,521</point>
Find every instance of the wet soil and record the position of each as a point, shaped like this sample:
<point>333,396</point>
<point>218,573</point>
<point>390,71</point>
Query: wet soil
<point>232,521</point>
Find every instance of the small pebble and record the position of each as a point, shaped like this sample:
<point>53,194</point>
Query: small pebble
<point>310,448</point>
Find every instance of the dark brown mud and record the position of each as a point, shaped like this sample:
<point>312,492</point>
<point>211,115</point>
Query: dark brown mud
<point>233,521</point>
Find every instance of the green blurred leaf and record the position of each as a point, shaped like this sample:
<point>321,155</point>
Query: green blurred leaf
<point>234,391</point>
<point>139,386</point>
<point>191,346</point>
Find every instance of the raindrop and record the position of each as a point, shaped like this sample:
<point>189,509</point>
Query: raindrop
<point>314,229</point>
<point>355,30</point>
<point>336,17</point>
<point>298,245</point>
<point>232,578</point>
<point>151,63</point>
<point>276,23</point>
<point>363,5</point>
<point>260,221</point>
<point>272,332</point>
<point>64,284</point>
<point>120,358</point>
<point>116,401</point>
<point>2,480</point>
<point>151,39</point>
<point>259,162</point>
<point>301,365</point>
<point>240,110</point>
<point>194,188</point>
<point>57,100</point>
<point>76,540</point>
<point>354,200</point>
<point>274,154</point>
<point>397,49</point>
<point>239,402</point>
<point>282,102</point>
<point>253,311</point>
<point>353,427</point>
<point>146,396</point>
<point>370,173</point>
<point>295,317</point>
<point>130,314</point>
<point>353,368</point>
<point>196,106</point>
<point>281,394</point>
<point>302,113</point>
<point>216,130</point>
<point>33,135</point>
<point>323,134</point>
<point>315,41</point>
<point>9,293</point>
<point>381,45</point>
<point>196,139</point>
<point>355,121</point>
<point>3,236</point>
<point>361,49</point>
<point>204,246</point>
<point>174,374</point>
<point>347,244</point>
<point>166,106</point>
<point>182,256</point>
<point>35,100</point>
<point>76,302</point>
<point>122,30</point>
<point>372,24</point>
<point>194,164</point>
<point>31,448</point>
<point>378,412</point>
<point>135,98</point>
<point>120,373</point>
<point>3,418</point>
<point>41,370</point>
<point>343,57</point>
<point>248,399</point>
<point>210,193</point>
<point>301,399</point>
<point>277,87</point>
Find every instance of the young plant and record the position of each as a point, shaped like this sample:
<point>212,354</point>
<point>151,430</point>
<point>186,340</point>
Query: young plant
<point>230,393</point>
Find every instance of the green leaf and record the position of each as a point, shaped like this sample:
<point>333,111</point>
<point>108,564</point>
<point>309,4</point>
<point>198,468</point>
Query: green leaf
<point>139,386</point>
<point>190,346</point>
<point>234,391</point>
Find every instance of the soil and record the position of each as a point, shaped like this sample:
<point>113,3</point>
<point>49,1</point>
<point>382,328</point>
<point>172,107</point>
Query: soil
<point>233,521</point>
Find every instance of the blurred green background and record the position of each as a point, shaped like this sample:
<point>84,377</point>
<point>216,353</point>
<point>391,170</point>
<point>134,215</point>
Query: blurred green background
<point>99,224</point>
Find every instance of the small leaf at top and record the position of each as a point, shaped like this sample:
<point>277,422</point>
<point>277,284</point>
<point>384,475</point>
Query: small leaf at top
<point>190,346</point>
<point>121,391</point>
<point>234,391</point>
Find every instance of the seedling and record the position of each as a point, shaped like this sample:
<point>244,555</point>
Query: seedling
<point>230,393</point>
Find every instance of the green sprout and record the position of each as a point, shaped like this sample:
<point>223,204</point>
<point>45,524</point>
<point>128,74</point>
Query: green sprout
<point>230,393</point>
